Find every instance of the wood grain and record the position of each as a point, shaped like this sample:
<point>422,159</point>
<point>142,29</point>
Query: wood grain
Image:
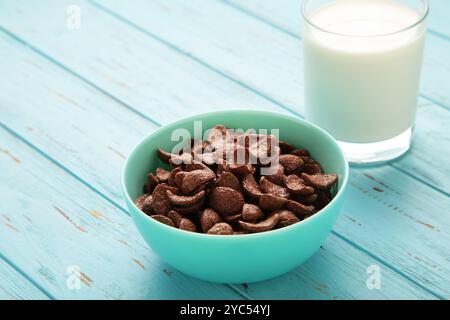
<point>14,286</point>
<point>438,19</point>
<point>346,282</point>
<point>137,70</point>
<point>286,14</point>
<point>61,223</point>
<point>131,51</point>
<point>242,47</point>
<point>283,64</point>
<point>111,74</point>
<point>74,117</point>
<point>55,222</point>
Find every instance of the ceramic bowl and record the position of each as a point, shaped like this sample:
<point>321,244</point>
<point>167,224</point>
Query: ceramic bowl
<point>237,258</point>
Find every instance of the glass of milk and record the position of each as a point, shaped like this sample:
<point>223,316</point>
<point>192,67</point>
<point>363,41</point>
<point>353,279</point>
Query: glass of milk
<point>362,62</point>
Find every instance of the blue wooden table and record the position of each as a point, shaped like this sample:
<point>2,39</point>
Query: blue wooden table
<point>83,81</point>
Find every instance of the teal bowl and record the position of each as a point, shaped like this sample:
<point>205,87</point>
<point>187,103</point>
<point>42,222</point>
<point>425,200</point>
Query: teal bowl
<point>239,258</point>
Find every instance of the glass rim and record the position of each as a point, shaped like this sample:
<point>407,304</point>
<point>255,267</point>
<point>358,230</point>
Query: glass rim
<point>422,18</point>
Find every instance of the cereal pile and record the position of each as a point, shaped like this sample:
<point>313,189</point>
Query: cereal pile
<point>207,191</point>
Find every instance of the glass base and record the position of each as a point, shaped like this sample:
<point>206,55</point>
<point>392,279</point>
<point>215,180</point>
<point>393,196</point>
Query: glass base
<point>378,152</point>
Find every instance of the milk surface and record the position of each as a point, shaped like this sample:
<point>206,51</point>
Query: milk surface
<point>361,86</point>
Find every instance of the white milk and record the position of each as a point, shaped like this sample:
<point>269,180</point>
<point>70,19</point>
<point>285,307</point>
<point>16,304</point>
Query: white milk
<point>359,86</point>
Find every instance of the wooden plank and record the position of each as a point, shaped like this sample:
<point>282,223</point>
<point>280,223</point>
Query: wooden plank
<point>14,286</point>
<point>396,223</point>
<point>143,68</point>
<point>52,223</point>
<point>283,64</point>
<point>80,100</point>
<point>146,59</point>
<point>242,47</point>
<point>73,145</point>
<point>60,223</point>
<point>283,14</point>
<point>286,14</point>
<point>438,20</point>
<point>349,281</point>
<point>425,159</point>
<point>74,119</point>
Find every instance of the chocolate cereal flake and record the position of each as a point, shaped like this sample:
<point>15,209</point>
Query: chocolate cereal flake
<point>320,181</point>
<point>265,225</point>
<point>175,217</point>
<point>150,185</point>
<point>221,228</point>
<point>236,182</point>
<point>228,179</point>
<point>161,203</point>
<point>251,213</point>
<point>162,175</point>
<point>226,201</point>
<point>164,156</point>
<point>290,162</point>
<point>286,218</point>
<point>192,180</point>
<point>186,224</point>
<point>278,176</point>
<point>269,187</point>
<point>251,187</point>
<point>270,202</point>
<point>195,208</point>
<point>185,201</point>
<point>208,218</point>
<point>140,201</point>
<point>163,219</point>
<point>299,209</point>
<point>297,186</point>
<point>147,205</point>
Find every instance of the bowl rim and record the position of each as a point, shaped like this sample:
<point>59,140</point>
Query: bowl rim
<point>194,117</point>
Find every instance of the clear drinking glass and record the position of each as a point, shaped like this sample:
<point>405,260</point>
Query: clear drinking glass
<point>362,63</point>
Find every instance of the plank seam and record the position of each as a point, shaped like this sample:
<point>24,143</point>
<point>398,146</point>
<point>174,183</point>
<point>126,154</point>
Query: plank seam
<point>77,75</point>
<point>399,168</point>
<point>96,191</point>
<point>173,47</point>
<point>298,37</point>
<point>232,286</point>
<point>28,278</point>
<point>189,55</point>
<point>439,35</point>
<point>434,101</point>
<point>261,19</point>
<point>282,29</point>
<point>389,266</point>
<point>239,291</point>
<point>73,175</point>
<point>212,68</point>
